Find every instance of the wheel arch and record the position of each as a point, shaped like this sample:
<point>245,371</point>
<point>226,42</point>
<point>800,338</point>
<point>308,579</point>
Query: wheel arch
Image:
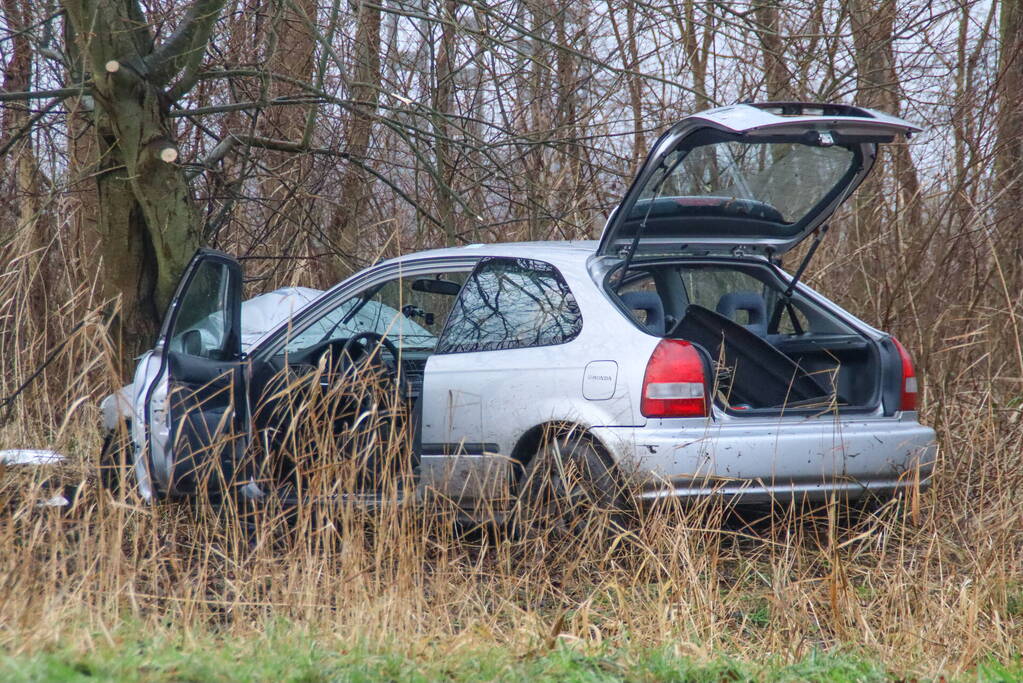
<point>530,442</point>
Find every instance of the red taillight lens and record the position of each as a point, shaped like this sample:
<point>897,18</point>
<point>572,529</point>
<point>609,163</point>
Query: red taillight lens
<point>908,401</point>
<point>674,385</point>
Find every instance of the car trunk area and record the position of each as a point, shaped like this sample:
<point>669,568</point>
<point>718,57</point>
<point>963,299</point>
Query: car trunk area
<point>765,353</point>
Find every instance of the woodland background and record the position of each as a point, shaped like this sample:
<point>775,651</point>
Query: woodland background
<point>311,138</point>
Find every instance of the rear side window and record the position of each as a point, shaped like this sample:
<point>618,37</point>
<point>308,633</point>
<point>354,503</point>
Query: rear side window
<point>511,304</point>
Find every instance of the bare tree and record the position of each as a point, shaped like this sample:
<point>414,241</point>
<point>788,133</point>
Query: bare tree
<point>313,137</point>
<point>1008,185</point>
<point>777,79</point>
<point>697,37</point>
<point>443,110</point>
<point>148,226</point>
<point>25,182</point>
<point>365,94</point>
<point>878,84</point>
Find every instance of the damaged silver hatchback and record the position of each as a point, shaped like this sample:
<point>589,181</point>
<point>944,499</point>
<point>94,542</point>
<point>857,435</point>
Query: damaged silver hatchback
<point>673,355</point>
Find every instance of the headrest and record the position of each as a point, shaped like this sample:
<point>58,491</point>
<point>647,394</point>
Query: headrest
<point>650,303</point>
<point>752,303</point>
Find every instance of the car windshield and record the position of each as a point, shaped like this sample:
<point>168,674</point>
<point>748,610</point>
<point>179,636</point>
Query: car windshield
<point>371,316</point>
<point>774,184</point>
<point>378,317</point>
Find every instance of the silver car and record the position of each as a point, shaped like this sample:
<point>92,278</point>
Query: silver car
<point>674,354</point>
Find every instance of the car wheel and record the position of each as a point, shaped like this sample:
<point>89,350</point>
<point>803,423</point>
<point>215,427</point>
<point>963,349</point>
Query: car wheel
<point>115,463</point>
<point>569,491</point>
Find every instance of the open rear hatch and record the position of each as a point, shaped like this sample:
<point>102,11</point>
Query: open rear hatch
<point>753,179</point>
<point>756,176</point>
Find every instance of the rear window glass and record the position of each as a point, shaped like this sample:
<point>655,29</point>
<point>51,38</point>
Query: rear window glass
<point>780,182</point>
<point>718,184</point>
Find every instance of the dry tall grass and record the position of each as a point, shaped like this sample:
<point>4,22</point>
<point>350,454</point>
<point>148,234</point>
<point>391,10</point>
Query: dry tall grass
<point>931,584</point>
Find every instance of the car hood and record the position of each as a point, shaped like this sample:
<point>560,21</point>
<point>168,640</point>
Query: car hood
<point>757,176</point>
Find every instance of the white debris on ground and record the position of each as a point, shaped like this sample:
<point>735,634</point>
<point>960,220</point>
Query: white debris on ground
<point>37,457</point>
<point>30,456</point>
<point>58,501</point>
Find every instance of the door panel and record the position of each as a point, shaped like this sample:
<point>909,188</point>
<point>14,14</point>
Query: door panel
<point>500,361</point>
<point>451,427</point>
<point>197,416</point>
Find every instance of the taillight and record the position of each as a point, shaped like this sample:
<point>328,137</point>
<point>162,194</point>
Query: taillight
<point>674,385</point>
<point>908,400</point>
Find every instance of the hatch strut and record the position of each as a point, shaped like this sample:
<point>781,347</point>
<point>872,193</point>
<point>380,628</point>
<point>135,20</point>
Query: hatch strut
<point>631,249</point>
<point>786,302</point>
<point>642,226</point>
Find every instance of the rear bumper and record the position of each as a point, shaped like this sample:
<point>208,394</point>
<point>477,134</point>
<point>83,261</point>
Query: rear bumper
<point>774,459</point>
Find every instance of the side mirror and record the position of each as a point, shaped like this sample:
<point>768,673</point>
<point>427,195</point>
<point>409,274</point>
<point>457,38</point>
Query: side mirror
<point>432,286</point>
<point>191,343</point>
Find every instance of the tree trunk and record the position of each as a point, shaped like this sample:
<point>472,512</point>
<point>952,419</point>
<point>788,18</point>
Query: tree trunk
<point>777,79</point>
<point>355,182</point>
<point>697,42</point>
<point>18,161</point>
<point>570,210</point>
<point>878,87</point>
<point>288,193</point>
<point>635,82</point>
<point>1008,185</point>
<point>443,109</point>
<point>536,107</point>
<point>884,233</point>
<point>147,227</point>
<point>23,181</point>
<point>83,160</point>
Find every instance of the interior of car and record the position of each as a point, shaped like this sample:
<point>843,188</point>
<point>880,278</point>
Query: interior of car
<point>358,367</point>
<point>767,352</point>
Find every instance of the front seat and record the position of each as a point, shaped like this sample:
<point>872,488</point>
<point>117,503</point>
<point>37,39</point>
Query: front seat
<point>649,303</point>
<point>752,303</point>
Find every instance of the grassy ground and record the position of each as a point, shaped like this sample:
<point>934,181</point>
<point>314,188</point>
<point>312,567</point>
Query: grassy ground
<point>926,587</point>
<point>289,654</point>
<point>125,592</point>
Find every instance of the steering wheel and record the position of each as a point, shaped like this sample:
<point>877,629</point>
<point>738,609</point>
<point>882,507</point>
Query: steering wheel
<point>364,339</point>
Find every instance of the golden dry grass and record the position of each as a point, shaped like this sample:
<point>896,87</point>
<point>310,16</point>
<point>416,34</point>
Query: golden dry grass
<point>931,584</point>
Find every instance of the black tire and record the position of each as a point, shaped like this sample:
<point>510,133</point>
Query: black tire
<point>115,463</point>
<point>570,491</point>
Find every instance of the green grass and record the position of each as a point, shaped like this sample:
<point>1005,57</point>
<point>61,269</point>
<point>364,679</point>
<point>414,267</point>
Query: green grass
<point>294,656</point>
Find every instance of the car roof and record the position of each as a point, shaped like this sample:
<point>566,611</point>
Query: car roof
<point>554,252</point>
<point>563,253</point>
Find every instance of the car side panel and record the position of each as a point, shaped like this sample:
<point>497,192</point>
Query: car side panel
<point>511,391</point>
<point>515,390</point>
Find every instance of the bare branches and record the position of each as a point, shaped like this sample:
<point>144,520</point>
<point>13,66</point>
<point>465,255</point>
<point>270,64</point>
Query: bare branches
<point>59,93</point>
<point>231,141</point>
<point>28,126</point>
<point>181,54</point>
<point>419,123</point>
